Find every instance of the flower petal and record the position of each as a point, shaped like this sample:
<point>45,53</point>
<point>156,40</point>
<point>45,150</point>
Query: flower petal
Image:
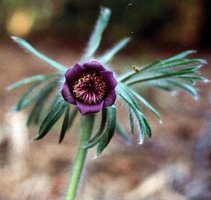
<point>94,65</point>
<point>110,98</point>
<point>67,94</point>
<point>74,73</point>
<point>86,108</point>
<point>109,79</point>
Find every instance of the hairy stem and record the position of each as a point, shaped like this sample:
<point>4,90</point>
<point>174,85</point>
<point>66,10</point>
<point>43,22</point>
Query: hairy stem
<point>76,171</point>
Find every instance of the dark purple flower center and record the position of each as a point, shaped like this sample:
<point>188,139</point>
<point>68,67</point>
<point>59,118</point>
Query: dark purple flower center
<point>90,88</point>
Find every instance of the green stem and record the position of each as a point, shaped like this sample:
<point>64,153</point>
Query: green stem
<point>76,171</point>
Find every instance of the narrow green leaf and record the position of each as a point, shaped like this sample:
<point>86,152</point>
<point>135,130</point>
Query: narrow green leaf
<point>35,114</point>
<point>145,103</point>
<point>65,124</point>
<point>173,62</point>
<point>101,131</point>
<point>111,124</point>
<point>72,116</point>
<point>181,55</point>
<point>145,68</point>
<point>20,103</point>
<point>166,66</point>
<point>152,65</point>
<point>51,118</point>
<point>56,99</point>
<point>192,77</point>
<point>124,93</point>
<point>37,78</point>
<point>41,56</point>
<point>38,109</point>
<point>190,89</point>
<point>182,63</point>
<point>169,74</point>
<point>105,58</point>
<point>137,111</point>
<point>43,92</point>
<point>162,85</point>
<point>131,120</point>
<point>96,36</point>
<point>147,127</point>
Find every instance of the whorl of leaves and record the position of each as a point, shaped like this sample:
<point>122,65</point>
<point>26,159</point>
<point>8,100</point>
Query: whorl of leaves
<point>177,72</point>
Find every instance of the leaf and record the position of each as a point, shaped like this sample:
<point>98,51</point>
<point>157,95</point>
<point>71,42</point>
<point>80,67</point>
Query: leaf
<point>41,56</point>
<point>110,128</point>
<point>35,113</point>
<point>72,116</point>
<point>170,74</point>
<point>188,88</point>
<point>181,63</point>
<point>101,131</point>
<point>152,65</point>
<point>37,78</point>
<point>159,66</point>
<point>133,74</point>
<point>124,93</point>
<point>145,103</point>
<point>105,58</point>
<point>162,85</point>
<point>169,63</point>
<point>57,98</point>
<point>147,127</point>
<point>65,124</point>
<point>192,77</point>
<point>131,120</point>
<point>51,118</point>
<point>43,92</point>
<point>181,55</point>
<point>96,36</point>
<point>20,103</point>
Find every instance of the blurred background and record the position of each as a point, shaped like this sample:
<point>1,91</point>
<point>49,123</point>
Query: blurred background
<point>174,164</point>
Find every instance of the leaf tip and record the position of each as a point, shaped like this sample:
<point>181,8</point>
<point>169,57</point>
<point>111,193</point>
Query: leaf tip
<point>203,61</point>
<point>192,51</point>
<point>141,140</point>
<point>128,39</point>
<point>95,157</point>
<point>15,38</point>
<point>60,141</point>
<point>206,81</point>
<point>98,153</point>
<point>105,11</point>
<point>196,97</point>
<point>36,137</point>
<point>8,88</point>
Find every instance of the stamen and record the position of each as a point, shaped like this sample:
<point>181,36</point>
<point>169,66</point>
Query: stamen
<point>90,88</point>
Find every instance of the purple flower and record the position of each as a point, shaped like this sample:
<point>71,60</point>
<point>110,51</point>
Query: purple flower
<point>89,86</point>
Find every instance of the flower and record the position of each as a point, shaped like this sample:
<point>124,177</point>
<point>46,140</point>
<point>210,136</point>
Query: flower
<point>89,86</point>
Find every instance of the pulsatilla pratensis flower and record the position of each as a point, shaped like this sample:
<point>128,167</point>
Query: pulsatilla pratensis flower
<point>89,86</point>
